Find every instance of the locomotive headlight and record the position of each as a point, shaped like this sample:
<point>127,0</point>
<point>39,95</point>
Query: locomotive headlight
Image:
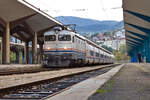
<point>48,48</point>
<point>65,47</point>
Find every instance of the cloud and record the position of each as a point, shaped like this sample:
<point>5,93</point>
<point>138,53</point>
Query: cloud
<point>94,9</point>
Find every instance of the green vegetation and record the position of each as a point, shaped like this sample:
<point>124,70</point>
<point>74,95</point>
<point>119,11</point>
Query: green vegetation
<point>12,57</point>
<point>113,32</point>
<point>20,57</point>
<point>107,33</point>
<point>107,87</point>
<point>94,35</point>
<point>107,48</point>
<point>121,55</point>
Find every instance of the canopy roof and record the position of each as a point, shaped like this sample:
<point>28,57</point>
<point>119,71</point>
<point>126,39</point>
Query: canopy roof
<point>25,19</point>
<point>137,22</point>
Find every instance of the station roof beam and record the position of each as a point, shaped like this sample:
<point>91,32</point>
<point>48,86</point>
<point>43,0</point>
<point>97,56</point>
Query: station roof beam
<point>21,13</point>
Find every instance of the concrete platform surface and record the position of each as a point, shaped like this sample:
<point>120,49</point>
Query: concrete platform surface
<point>20,68</point>
<point>131,83</point>
<point>19,79</point>
<point>84,89</point>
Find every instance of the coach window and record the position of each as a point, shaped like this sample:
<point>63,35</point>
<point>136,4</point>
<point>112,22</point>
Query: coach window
<point>91,53</point>
<point>64,37</point>
<point>97,54</point>
<point>50,38</point>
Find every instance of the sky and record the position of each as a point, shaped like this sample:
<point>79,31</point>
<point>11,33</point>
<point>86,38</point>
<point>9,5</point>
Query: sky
<point>93,9</point>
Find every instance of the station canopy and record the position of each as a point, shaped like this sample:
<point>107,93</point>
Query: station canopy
<point>137,22</point>
<point>24,19</point>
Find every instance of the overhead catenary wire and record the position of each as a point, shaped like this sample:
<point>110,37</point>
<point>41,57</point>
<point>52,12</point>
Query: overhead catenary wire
<point>103,8</point>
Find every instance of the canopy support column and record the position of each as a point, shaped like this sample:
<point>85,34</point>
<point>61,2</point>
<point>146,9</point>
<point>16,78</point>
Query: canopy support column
<point>26,52</point>
<point>41,53</point>
<point>34,49</point>
<point>6,45</point>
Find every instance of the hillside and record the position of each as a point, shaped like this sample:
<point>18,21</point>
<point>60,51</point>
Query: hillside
<point>85,25</point>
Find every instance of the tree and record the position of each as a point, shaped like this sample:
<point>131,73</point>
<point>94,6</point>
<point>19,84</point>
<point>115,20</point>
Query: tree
<point>121,54</point>
<point>107,33</point>
<point>122,49</point>
<point>113,33</point>
<point>94,35</point>
<point>107,48</point>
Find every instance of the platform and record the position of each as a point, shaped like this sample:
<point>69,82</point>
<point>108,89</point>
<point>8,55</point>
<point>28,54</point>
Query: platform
<point>132,83</point>
<point>84,89</point>
<point>20,68</point>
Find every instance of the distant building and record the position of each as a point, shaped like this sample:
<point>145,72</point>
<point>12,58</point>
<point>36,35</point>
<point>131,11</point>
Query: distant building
<point>117,43</point>
<point>100,36</point>
<point>95,39</point>
<point>120,34</point>
<point>114,41</point>
<point>108,43</point>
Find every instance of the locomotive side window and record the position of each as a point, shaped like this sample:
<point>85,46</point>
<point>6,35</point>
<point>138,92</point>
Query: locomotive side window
<point>64,37</point>
<point>50,38</point>
<point>76,39</point>
<point>73,39</point>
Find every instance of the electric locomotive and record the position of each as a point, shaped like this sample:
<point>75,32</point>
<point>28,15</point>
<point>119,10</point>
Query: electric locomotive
<point>64,47</point>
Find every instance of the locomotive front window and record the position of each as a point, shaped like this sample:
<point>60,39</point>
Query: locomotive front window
<point>50,38</point>
<point>64,37</point>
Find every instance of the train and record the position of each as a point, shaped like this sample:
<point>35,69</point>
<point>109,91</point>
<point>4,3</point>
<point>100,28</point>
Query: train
<point>67,48</point>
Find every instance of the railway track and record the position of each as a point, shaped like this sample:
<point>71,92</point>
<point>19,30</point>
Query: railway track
<point>42,89</point>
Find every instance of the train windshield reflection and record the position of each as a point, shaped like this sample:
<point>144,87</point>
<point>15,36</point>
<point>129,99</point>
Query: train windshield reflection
<point>50,38</point>
<point>64,37</point>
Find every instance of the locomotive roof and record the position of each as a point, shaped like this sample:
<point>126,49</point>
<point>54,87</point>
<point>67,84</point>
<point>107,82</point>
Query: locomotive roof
<point>50,32</point>
<point>65,32</point>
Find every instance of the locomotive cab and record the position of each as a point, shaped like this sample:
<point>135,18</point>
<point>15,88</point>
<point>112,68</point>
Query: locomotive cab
<point>65,40</point>
<point>50,39</point>
<point>58,48</point>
